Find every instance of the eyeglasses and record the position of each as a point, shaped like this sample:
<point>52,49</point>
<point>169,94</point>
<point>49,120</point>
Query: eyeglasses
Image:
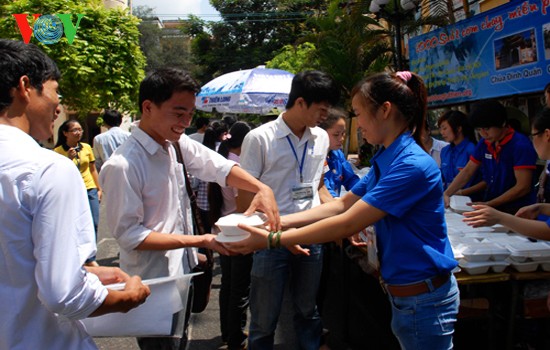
<point>75,131</point>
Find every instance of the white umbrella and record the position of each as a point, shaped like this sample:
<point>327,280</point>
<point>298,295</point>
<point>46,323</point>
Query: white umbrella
<point>257,91</point>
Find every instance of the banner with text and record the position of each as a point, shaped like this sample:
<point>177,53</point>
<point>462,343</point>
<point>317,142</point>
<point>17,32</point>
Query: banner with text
<point>501,52</point>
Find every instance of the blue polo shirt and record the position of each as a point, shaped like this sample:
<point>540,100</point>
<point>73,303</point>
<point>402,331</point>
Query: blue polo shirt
<point>453,159</point>
<point>515,151</point>
<point>405,182</point>
<point>340,173</point>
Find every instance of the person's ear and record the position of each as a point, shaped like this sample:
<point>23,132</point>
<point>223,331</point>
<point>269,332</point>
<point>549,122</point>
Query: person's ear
<point>23,88</point>
<point>146,106</point>
<point>386,108</point>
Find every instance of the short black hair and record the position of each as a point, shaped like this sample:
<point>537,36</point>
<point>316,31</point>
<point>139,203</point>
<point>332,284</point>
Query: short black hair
<point>229,120</point>
<point>112,117</point>
<point>489,113</point>
<point>18,59</point>
<point>201,121</point>
<point>160,84</point>
<point>456,120</point>
<point>213,133</point>
<point>314,87</point>
<point>542,120</point>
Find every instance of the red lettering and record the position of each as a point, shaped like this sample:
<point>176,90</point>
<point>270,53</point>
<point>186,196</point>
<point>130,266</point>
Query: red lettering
<point>443,39</point>
<point>470,30</point>
<point>24,26</point>
<point>427,44</point>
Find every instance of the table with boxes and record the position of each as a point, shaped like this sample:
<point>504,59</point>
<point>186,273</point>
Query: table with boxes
<point>495,255</point>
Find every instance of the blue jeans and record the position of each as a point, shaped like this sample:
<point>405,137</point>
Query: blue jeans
<point>93,200</point>
<point>270,272</point>
<point>426,321</point>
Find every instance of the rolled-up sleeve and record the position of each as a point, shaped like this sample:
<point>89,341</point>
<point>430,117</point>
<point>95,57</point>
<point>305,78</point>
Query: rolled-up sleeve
<point>204,163</point>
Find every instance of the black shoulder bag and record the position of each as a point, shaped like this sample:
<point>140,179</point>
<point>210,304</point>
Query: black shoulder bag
<point>202,284</point>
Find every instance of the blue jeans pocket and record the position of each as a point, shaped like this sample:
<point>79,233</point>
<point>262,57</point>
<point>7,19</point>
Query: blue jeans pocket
<point>426,320</point>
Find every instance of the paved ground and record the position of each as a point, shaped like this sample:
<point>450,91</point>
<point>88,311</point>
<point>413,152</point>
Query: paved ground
<point>204,327</point>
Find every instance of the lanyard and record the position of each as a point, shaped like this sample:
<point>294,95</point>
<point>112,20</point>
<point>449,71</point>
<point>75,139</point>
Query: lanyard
<point>296,156</point>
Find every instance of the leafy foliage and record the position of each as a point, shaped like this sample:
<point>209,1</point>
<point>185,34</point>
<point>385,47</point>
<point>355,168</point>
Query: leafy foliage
<point>348,44</point>
<point>163,47</point>
<point>295,59</point>
<point>248,35</point>
<point>103,66</point>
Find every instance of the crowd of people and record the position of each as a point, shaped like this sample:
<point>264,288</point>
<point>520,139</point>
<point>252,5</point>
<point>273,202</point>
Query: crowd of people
<point>292,169</point>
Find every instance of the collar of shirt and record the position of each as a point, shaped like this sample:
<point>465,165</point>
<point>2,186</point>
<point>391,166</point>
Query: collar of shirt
<point>385,156</point>
<point>147,142</point>
<point>23,136</point>
<point>460,146</point>
<point>495,150</point>
<point>282,130</point>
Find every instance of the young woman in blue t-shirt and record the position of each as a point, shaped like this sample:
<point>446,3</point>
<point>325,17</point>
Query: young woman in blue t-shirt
<point>340,173</point>
<point>456,129</point>
<point>402,197</point>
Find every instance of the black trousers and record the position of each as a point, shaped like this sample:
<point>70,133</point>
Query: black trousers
<point>234,298</point>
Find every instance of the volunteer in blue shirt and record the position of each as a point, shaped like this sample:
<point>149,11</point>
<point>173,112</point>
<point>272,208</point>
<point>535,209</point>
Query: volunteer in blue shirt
<point>401,197</point>
<point>456,129</point>
<point>507,160</point>
<point>340,172</point>
<point>525,221</point>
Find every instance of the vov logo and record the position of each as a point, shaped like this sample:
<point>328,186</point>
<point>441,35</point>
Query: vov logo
<point>48,29</point>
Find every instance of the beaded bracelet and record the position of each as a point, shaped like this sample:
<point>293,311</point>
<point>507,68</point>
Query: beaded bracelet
<point>277,235</point>
<point>270,239</point>
<point>278,239</point>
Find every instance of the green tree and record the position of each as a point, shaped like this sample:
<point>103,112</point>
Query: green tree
<point>295,59</point>
<point>163,47</point>
<point>348,44</point>
<point>103,67</point>
<point>248,35</point>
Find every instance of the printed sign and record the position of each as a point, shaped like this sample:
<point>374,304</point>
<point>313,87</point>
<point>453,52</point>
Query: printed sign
<point>501,52</point>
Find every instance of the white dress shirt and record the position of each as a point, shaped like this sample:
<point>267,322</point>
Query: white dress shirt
<point>267,155</point>
<point>106,143</point>
<point>46,234</point>
<point>199,137</point>
<point>435,152</point>
<point>144,191</point>
<point>230,193</point>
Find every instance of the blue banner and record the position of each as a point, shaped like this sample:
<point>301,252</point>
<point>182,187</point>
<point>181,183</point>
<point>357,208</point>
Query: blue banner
<point>501,52</point>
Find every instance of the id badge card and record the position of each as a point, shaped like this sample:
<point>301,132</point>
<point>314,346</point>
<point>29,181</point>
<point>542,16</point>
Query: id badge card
<point>302,191</point>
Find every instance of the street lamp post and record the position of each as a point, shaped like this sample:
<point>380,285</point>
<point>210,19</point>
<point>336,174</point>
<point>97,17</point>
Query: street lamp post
<point>395,18</point>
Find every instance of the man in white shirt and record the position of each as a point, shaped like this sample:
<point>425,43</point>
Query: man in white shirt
<point>433,145</point>
<point>106,143</point>
<point>202,124</point>
<point>147,204</point>
<point>288,154</point>
<point>46,230</point>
